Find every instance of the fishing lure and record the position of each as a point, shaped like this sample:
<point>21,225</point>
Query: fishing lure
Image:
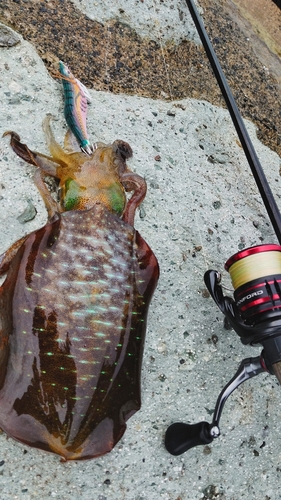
<point>76,99</point>
<point>74,304</point>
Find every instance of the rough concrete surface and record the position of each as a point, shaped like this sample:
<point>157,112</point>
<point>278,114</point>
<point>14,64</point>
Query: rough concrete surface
<point>202,206</point>
<point>169,21</point>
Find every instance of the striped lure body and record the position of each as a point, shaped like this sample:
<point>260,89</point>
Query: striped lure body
<point>75,107</point>
<point>73,306</point>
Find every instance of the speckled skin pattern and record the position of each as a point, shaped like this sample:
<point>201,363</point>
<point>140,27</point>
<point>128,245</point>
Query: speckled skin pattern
<point>73,313</point>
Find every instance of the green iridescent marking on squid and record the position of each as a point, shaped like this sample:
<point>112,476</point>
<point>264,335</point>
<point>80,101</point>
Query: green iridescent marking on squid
<point>118,262</point>
<point>74,296</point>
<point>100,334</point>
<point>100,322</point>
<point>102,282</point>
<point>116,198</point>
<point>73,194</point>
<point>113,308</point>
<point>91,310</point>
<point>111,275</point>
<point>60,341</point>
<point>82,282</point>
<point>52,271</point>
<point>102,309</point>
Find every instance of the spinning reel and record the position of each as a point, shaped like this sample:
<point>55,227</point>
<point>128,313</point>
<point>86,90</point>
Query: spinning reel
<point>255,315</point>
<point>255,311</point>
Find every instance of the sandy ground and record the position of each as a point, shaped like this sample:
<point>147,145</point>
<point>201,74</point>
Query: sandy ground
<point>202,206</point>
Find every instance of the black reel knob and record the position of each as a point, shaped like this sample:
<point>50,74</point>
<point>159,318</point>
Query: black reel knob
<point>181,437</point>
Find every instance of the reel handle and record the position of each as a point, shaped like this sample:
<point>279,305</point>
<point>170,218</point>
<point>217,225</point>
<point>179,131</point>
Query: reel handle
<point>181,437</point>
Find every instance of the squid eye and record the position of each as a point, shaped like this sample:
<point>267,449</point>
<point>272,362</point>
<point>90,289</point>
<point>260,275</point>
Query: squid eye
<point>124,149</point>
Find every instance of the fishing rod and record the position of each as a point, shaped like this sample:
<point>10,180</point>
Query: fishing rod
<point>255,311</point>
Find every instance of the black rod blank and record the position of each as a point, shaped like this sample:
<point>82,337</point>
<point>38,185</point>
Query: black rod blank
<point>257,171</point>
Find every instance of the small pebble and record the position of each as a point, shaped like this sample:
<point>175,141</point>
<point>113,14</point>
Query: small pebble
<point>28,214</point>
